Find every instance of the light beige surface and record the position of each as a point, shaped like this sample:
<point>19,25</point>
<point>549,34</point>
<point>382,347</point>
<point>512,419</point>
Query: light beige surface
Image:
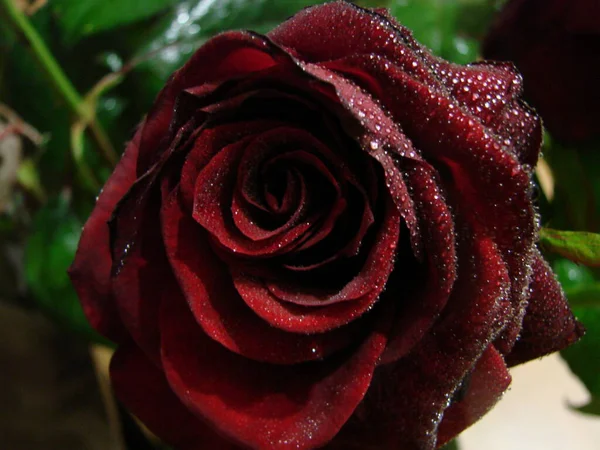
<point>534,413</point>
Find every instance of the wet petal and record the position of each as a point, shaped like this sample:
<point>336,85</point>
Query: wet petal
<point>263,405</point>
<point>144,390</point>
<point>213,196</point>
<point>226,56</point>
<point>481,389</point>
<point>424,295</point>
<point>405,404</point>
<point>549,324</point>
<point>90,272</point>
<point>139,283</point>
<point>218,308</point>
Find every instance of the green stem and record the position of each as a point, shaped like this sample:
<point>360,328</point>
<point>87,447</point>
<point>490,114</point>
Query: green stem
<point>64,86</point>
<point>58,77</point>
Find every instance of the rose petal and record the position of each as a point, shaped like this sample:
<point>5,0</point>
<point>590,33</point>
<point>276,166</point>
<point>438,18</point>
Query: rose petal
<point>484,387</point>
<point>485,89</point>
<point>489,91</point>
<point>142,387</point>
<point>306,155</point>
<point>138,286</point>
<point>405,404</point>
<point>421,306</point>
<point>243,219</point>
<point>125,223</point>
<point>209,142</point>
<point>219,309</point>
<point>347,29</point>
<point>549,324</point>
<point>299,319</point>
<point>377,134</point>
<point>491,183</point>
<point>225,56</point>
<point>262,405</point>
<point>139,265</point>
<point>90,271</point>
<point>370,279</point>
<point>213,194</point>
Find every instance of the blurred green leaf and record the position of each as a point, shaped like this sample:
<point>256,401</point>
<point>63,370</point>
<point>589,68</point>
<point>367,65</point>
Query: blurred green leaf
<point>41,106</point>
<point>175,37</point>
<point>585,296</point>
<point>583,293</point>
<point>29,178</point>
<point>580,247</point>
<point>584,356</point>
<point>79,18</point>
<point>49,252</point>
<point>450,29</point>
<point>7,42</point>
<point>572,275</point>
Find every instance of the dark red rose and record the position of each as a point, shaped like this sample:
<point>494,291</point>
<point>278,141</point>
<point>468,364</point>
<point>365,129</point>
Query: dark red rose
<point>323,237</point>
<point>555,44</point>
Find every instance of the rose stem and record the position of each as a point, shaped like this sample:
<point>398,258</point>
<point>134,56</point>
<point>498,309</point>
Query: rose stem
<point>60,80</point>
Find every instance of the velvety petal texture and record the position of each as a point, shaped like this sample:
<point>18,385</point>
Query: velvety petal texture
<point>322,238</point>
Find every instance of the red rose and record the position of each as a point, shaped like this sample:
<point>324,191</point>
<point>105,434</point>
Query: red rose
<point>322,237</point>
<point>555,44</point>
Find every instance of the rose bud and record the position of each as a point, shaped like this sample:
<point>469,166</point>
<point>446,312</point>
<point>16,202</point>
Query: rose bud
<point>322,237</point>
<point>555,44</point>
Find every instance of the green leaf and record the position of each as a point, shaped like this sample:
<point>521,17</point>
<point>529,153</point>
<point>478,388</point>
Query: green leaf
<point>581,247</point>
<point>584,356</point>
<point>79,18</point>
<point>583,293</point>
<point>450,29</point>
<point>183,29</point>
<point>585,296</point>
<point>42,107</point>
<point>572,276</point>
<point>49,252</point>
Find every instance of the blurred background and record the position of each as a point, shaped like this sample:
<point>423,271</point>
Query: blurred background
<point>76,76</point>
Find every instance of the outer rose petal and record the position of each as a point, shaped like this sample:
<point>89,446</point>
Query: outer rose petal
<point>90,272</point>
<point>421,307</point>
<point>378,36</point>
<point>549,324</point>
<point>406,401</point>
<point>225,56</point>
<point>490,184</point>
<point>262,405</point>
<point>139,266</point>
<point>142,387</point>
<point>484,387</point>
<point>139,283</point>
<point>347,29</point>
